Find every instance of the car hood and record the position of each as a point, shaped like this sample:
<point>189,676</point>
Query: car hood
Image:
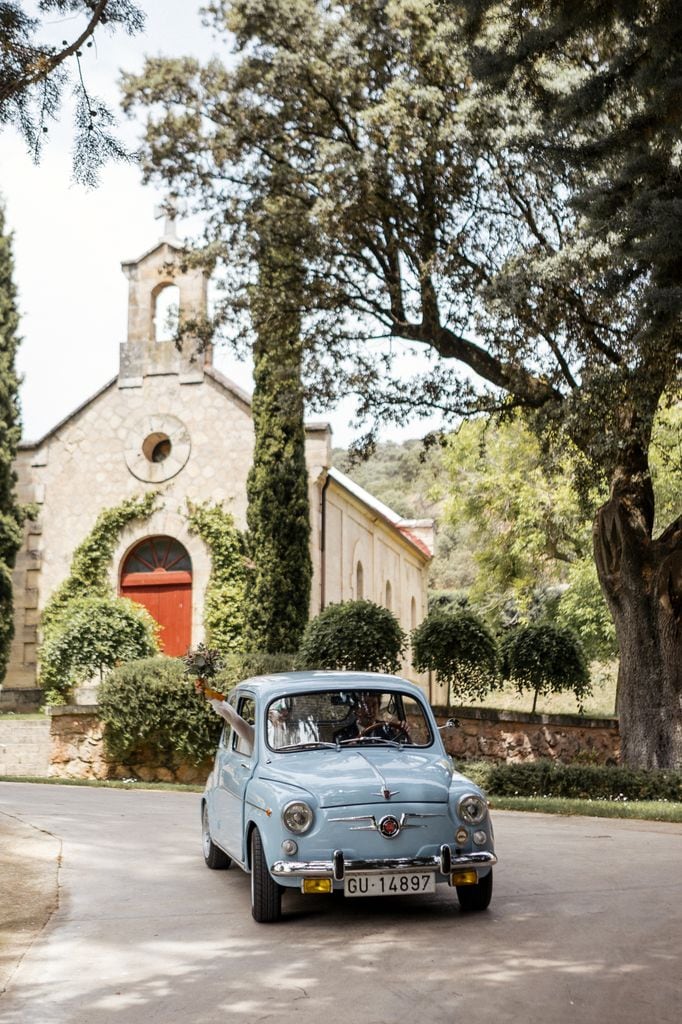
<point>345,777</point>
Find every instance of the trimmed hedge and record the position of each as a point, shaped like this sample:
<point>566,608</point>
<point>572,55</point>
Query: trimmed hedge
<point>358,636</point>
<point>595,782</point>
<point>151,709</point>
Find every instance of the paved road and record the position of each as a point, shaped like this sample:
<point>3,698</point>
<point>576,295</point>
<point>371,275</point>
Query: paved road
<point>585,926</point>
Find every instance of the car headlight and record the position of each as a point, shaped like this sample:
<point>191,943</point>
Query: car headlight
<point>472,808</point>
<point>297,817</point>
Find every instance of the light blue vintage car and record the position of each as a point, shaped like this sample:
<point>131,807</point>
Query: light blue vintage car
<point>345,788</point>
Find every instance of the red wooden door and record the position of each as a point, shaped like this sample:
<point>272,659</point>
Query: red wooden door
<point>157,574</point>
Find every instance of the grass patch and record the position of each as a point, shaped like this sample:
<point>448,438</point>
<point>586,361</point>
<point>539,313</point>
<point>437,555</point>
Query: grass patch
<point>15,716</point>
<point>104,783</point>
<point>600,704</point>
<point>646,810</point>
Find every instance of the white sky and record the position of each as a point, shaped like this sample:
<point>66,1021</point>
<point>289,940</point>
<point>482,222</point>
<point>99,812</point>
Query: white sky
<point>69,242</point>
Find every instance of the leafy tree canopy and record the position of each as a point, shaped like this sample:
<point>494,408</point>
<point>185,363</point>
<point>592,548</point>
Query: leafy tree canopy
<point>461,649</point>
<point>35,72</point>
<point>356,635</point>
<point>433,218</point>
<point>524,516</point>
<point>545,659</point>
<point>95,633</point>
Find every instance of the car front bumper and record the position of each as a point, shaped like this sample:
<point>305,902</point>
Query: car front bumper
<point>338,867</point>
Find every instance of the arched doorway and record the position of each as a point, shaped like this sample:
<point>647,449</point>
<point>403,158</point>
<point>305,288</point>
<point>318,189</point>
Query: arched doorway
<point>157,574</point>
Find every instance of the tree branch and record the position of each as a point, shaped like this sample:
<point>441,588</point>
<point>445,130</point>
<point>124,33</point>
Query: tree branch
<point>48,64</point>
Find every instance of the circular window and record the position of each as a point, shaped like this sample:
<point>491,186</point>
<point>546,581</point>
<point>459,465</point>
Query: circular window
<point>157,448</point>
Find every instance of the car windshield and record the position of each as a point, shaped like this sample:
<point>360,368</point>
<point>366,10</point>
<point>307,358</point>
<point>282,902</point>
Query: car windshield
<point>347,718</point>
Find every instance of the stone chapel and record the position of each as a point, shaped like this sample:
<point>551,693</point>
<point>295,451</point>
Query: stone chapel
<point>170,421</point>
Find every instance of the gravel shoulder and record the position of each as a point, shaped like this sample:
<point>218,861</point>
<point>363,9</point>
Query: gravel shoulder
<point>29,883</point>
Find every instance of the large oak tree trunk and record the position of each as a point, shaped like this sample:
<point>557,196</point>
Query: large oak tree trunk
<point>642,581</point>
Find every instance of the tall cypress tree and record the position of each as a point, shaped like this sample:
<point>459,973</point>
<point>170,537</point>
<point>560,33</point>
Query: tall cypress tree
<point>278,516</point>
<point>11,515</point>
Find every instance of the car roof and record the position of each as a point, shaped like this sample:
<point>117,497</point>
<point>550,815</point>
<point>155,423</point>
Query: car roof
<point>313,679</point>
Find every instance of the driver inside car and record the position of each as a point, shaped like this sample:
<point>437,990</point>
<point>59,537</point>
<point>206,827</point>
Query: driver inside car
<point>366,706</point>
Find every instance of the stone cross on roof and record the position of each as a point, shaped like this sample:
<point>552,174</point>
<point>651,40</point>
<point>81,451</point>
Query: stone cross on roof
<point>168,211</point>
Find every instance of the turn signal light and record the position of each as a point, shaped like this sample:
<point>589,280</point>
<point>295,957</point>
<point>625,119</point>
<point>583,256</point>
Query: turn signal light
<point>464,878</point>
<point>312,885</point>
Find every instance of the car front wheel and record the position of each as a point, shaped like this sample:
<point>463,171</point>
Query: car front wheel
<point>266,894</point>
<point>215,858</point>
<point>476,897</point>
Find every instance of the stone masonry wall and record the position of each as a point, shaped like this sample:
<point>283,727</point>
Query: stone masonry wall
<point>78,746</point>
<point>514,736</point>
<point>78,753</point>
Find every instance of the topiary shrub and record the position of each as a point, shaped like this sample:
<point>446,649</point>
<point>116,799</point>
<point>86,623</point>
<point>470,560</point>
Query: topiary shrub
<point>356,635</point>
<point>151,710</point>
<point>93,634</point>
<point>461,649</point>
<point>545,659</point>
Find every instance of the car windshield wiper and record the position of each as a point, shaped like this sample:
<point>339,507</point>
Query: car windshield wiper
<point>355,741</point>
<point>311,745</point>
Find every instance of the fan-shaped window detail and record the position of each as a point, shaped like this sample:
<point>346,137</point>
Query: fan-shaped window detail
<point>158,554</point>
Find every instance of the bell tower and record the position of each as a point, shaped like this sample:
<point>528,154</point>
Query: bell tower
<point>161,294</point>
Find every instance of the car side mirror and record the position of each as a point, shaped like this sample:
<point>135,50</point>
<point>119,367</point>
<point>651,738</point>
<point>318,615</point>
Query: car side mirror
<point>452,723</point>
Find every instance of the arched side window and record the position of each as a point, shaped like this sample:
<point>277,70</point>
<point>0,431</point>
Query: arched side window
<point>166,313</point>
<point>413,613</point>
<point>359,582</point>
<point>389,596</point>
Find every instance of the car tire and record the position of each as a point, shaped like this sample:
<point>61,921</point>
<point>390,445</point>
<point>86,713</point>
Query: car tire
<point>215,857</point>
<point>476,897</point>
<point>266,894</point>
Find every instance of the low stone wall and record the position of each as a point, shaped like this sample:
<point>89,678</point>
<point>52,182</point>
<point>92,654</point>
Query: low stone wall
<point>513,736</point>
<point>78,752</point>
<point>78,743</point>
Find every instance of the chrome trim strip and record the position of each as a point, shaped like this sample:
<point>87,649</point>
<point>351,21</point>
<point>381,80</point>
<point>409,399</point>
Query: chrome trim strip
<point>378,865</point>
<point>374,826</point>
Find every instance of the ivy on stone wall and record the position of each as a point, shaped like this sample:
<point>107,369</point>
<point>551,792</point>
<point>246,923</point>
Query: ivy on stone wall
<point>83,613</point>
<point>11,513</point>
<point>224,600</point>
<point>89,573</point>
